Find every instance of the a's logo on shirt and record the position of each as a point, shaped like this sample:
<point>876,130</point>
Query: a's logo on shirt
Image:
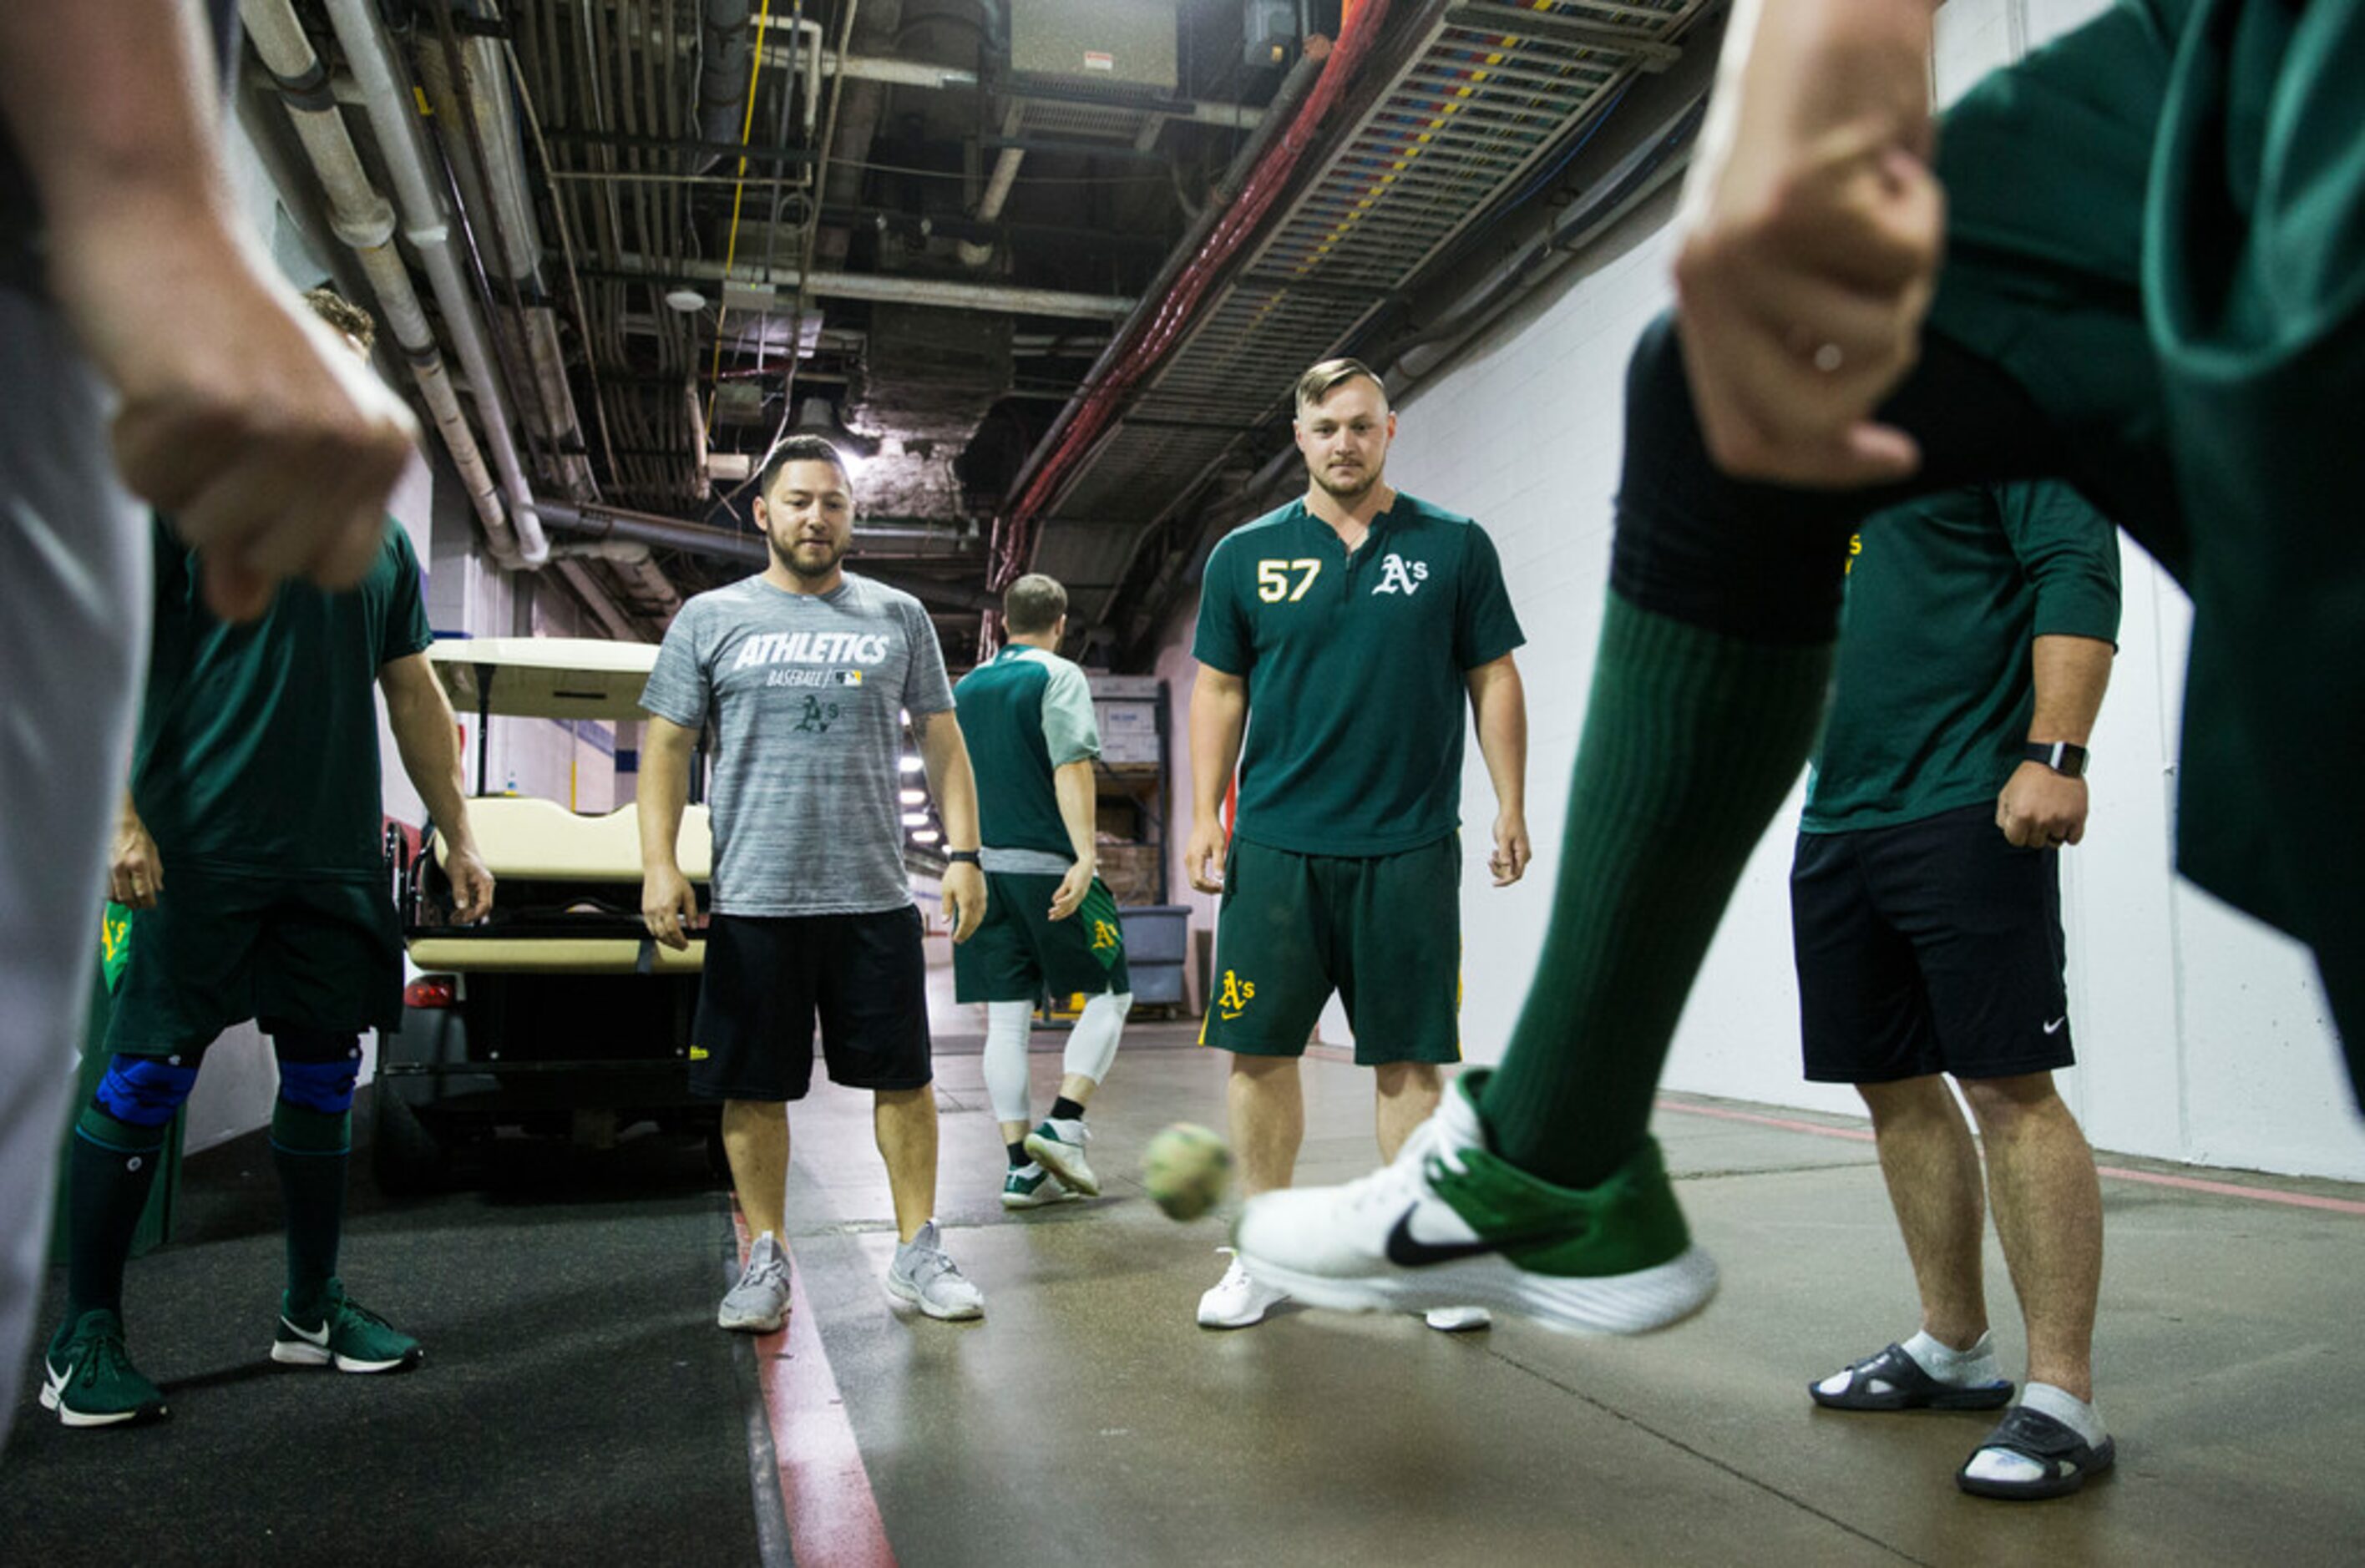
<point>1398,575</point>
<point>1235,997</point>
<point>1104,936</point>
<point>699,1053</point>
<point>817,717</point>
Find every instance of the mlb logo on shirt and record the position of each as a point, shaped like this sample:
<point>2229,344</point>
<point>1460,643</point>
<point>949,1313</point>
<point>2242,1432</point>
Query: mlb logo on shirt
<point>847,677</point>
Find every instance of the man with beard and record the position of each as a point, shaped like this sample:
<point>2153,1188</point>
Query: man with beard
<point>801,673</point>
<point>1362,619</point>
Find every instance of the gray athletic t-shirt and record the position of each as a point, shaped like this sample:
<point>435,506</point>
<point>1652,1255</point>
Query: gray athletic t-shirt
<point>804,691</point>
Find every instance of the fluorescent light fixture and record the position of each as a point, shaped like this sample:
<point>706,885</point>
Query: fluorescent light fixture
<point>915,797</point>
<point>909,764</point>
<point>925,835</point>
<point>915,819</point>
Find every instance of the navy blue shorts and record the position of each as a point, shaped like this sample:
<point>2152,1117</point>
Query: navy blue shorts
<point>1931,947</point>
<point>864,977</point>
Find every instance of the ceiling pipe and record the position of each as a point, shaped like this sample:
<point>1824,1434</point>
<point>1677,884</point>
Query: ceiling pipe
<point>388,104</point>
<point>975,254</point>
<point>895,287</point>
<point>364,221</point>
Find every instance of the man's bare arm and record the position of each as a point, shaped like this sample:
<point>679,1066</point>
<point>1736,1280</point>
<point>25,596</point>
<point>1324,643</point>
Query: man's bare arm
<point>669,903</point>
<point>954,784</point>
<point>428,742</point>
<point>1220,718</point>
<point>2039,808</point>
<point>1498,703</point>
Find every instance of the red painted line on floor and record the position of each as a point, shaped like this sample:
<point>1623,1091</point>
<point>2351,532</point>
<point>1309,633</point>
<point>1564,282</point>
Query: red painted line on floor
<point>2119,1173</point>
<point>825,1488</point>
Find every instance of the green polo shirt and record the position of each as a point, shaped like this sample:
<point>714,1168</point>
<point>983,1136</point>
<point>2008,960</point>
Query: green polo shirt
<point>1023,714</point>
<point>1355,667</point>
<point>1934,691</point>
<point>257,751</point>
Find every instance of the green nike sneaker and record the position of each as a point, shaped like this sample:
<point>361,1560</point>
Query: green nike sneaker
<point>343,1334</point>
<point>1451,1224</point>
<point>1029,1186</point>
<point>90,1381</point>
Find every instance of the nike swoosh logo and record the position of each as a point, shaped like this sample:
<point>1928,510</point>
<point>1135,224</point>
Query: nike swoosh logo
<point>1406,1250</point>
<point>2055,1028</point>
<point>310,1336</point>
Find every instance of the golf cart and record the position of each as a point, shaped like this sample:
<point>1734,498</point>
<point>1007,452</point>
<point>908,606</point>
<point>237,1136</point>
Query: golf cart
<point>557,1014</point>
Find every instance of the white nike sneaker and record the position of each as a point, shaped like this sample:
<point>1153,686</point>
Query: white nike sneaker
<point>1058,1148</point>
<point>1031,1187</point>
<point>924,1275</point>
<point>1451,1224</point>
<point>759,1304</point>
<point>1238,1300</point>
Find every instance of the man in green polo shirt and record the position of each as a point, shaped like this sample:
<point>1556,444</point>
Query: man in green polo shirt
<point>249,850</point>
<point>1926,910</point>
<point>1051,922</point>
<point>1345,632</point>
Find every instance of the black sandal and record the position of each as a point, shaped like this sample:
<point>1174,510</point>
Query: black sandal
<point>1910,1387</point>
<point>2034,1435</point>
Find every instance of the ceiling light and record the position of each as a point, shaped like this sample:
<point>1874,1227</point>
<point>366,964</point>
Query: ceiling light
<point>915,797</point>
<point>915,819</point>
<point>925,835</point>
<point>686,300</point>
<point>909,764</point>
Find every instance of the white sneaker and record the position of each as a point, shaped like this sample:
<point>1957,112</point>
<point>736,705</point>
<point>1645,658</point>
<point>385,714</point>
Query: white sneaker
<point>1058,1148</point>
<point>1458,1319</point>
<point>759,1304</point>
<point>1238,1300</point>
<point>924,1275</point>
<point>1031,1187</point>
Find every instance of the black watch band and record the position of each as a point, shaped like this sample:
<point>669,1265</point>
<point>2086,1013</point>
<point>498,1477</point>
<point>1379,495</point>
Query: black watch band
<point>2064,758</point>
<point>963,856</point>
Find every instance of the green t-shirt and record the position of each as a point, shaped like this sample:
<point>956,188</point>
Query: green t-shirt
<point>1933,690</point>
<point>1355,667</point>
<point>1025,713</point>
<point>258,742</point>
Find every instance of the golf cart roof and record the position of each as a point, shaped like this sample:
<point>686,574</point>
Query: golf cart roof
<point>544,678</point>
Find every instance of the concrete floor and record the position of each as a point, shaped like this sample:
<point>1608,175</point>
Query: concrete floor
<point>1089,1420</point>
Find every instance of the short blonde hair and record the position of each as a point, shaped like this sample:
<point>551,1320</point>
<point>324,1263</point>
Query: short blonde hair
<point>1034,603</point>
<point>1319,382</point>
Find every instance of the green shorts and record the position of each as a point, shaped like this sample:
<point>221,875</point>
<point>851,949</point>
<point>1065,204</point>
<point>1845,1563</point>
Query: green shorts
<point>1018,953</point>
<point>218,949</point>
<point>1383,931</point>
<point>2157,227</point>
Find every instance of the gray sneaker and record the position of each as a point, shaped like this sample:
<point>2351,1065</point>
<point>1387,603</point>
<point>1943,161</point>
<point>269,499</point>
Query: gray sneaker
<point>923,1275</point>
<point>759,1304</point>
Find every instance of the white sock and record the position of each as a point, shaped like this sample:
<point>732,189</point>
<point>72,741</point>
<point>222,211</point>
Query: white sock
<point>1962,1368</point>
<point>2000,1464</point>
<point>1091,1043</point>
<point>1007,1024</point>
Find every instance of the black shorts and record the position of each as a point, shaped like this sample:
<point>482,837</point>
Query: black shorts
<point>863,976</point>
<point>1930,946</point>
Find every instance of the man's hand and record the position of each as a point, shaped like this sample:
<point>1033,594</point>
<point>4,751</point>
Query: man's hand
<point>1068,896</point>
<point>135,872</point>
<point>270,445</point>
<point>472,883</point>
<point>669,907</point>
<point>1812,232</point>
<point>1202,858</point>
<point>964,894</point>
<point>1508,863</point>
<point>2040,808</point>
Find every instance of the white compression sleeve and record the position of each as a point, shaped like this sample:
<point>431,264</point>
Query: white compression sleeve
<point>1006,1027</point>
<point>1091,1043</point>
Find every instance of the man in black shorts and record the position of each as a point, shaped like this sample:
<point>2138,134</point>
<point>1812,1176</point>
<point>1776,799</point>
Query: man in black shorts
<point>802,674</point>
<point>1926,904</point>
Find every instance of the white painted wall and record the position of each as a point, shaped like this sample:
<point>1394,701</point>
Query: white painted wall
<point>2202,1035</point>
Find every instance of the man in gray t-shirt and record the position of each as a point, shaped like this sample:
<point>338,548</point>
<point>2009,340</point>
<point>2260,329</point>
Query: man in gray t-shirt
<point>802,676</point>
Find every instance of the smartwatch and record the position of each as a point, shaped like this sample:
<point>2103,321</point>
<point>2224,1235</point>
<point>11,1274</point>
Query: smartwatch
<point>2063,756</point>
<point>971,857</point>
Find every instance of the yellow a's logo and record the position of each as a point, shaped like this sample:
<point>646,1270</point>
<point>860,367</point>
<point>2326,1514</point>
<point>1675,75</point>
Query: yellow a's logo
<point>1103,936</point>
<point>1235,996</point>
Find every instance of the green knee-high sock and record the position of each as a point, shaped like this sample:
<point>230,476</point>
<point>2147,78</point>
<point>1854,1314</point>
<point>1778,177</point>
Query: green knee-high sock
<point>1691,741</point>
<point>310,1151</point>
<point>112,1165</point>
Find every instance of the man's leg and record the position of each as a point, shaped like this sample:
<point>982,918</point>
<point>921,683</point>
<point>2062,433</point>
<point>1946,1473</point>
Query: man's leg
<point>1406,1095</point>
<point>904,1122</point>
<point>2048,1210</point>
<point>1932,1168</point>
<point>755,1140</point>
<point>1265,1101</point>
<point>74,570</point>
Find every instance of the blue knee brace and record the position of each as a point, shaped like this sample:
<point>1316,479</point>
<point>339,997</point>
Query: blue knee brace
<point>323,1086</point>
<point>144,1092</point>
